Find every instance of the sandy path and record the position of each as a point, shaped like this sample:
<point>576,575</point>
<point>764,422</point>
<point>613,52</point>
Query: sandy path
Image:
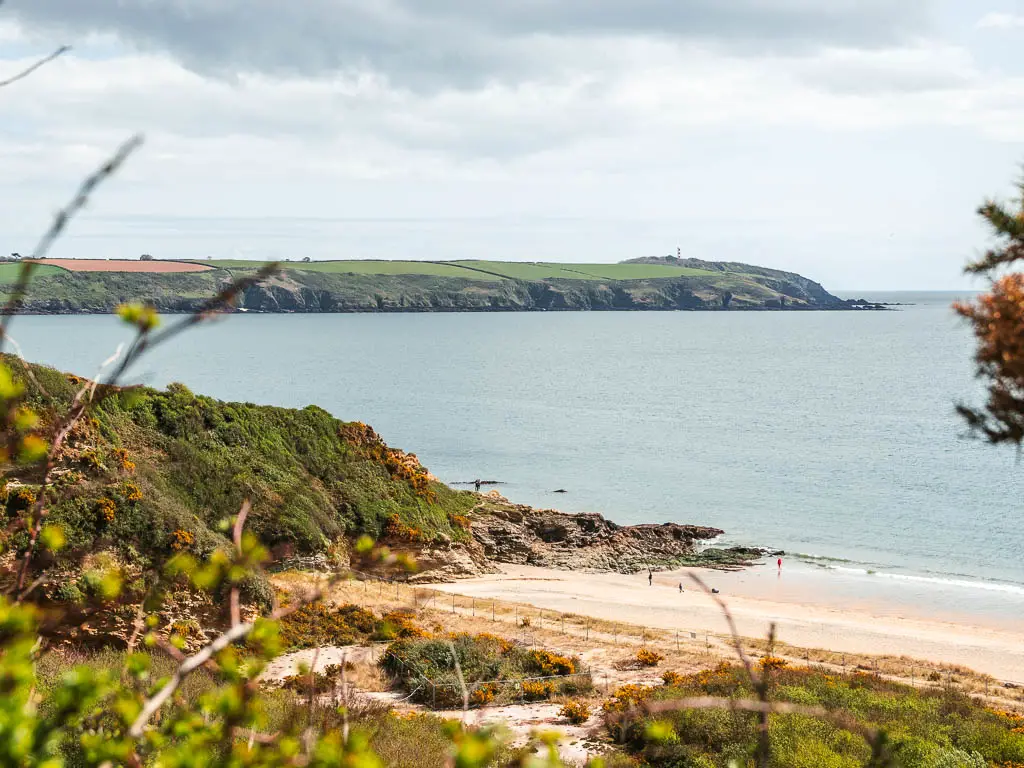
<point>629,599</point>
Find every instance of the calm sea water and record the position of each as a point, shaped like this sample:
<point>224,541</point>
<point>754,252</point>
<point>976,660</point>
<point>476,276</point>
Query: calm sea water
<point>829,434</point>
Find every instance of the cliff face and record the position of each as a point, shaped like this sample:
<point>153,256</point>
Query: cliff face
<point>291,293</point>
<point>717,286</point>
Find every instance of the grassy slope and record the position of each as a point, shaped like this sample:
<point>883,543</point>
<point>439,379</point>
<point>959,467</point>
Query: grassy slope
<point>312,479</point>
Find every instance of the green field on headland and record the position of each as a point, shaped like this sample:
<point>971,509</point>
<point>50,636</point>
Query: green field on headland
<point>425,286</point>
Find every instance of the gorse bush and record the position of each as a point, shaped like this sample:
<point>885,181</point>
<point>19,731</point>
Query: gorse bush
<point>193,462</point>
<point>320,624</point>
<point>427,668</point>
<point>645,657</point>
<point>576,712</point>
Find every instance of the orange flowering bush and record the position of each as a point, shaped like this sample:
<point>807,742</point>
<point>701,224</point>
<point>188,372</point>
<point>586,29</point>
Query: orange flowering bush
<point>483,694</point>
<point>772,662</point>
<point>504,645</point>
<point>21,499</point>
<point>672,679</point>
<point>182,540</point>
<point>396,529</point>
<point>396,624</point>
<point>576,712</point>
<point>537,690</point>
<point>132,492</point>
<point>645,657</point>
<point>625,697</point>
<point>107,509</point>
<point>551,663</point>
<point>126,464</point>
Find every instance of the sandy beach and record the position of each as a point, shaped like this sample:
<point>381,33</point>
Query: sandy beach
<point>863,629</point>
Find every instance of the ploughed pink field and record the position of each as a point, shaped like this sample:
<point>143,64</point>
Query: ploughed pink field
<point>124,265</point>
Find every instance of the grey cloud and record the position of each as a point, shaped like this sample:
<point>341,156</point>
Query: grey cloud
<point>861,78</point>
<point>431,44</point>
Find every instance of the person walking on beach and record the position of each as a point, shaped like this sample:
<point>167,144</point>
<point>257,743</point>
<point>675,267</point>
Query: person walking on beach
<point>650,577</point>
<point>680,587</point>
<point>477,484</point>
<point>780,563</point>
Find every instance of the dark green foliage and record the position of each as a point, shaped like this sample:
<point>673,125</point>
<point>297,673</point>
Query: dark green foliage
<point>195,459</point>
<point>923,728</point>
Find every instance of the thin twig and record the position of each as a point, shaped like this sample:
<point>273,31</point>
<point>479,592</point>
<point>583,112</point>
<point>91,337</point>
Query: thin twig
<point>310,735</point>
<point>235,601</point>
<point>737,642</point>
<point>344,699</point>
<point>210,308</point>
<point>462,681</point>
<point>60,223</point>
<point>206,654</point>
<point>187,667</point>
<point>82,195</point>
<point>759,682</point>
<point>41,63</point>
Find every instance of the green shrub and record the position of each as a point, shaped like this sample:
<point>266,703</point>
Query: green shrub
<point>925,727</point>
<point>482,658</point>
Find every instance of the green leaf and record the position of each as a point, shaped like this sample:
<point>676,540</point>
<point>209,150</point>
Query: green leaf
<point>52,538</point>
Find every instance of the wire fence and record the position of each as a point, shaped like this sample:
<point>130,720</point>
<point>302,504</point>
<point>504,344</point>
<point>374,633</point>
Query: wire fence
<point>524,620</point>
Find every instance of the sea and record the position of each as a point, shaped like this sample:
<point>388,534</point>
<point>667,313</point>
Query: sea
<point>830,435</point>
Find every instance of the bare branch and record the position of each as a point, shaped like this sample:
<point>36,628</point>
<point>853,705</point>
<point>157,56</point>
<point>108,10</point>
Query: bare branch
<point>85,190</point>
<point>310,734</point>
<point>760,682</point>
<point>462,681</point>
<point>344,699</point>
<point>41,63</point>
<point>235,597</point>
<point>206,654</point>
<point>737,642</point>
<point>60,223</point>
<point>190,665</point>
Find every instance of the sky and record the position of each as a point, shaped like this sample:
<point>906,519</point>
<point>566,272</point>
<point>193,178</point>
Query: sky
<point>850,140</point>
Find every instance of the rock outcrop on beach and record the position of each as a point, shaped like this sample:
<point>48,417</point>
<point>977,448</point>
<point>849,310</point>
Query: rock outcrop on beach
<point>507,533</point>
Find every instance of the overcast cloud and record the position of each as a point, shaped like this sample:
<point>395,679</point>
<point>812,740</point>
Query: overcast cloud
<point>848,140</point>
